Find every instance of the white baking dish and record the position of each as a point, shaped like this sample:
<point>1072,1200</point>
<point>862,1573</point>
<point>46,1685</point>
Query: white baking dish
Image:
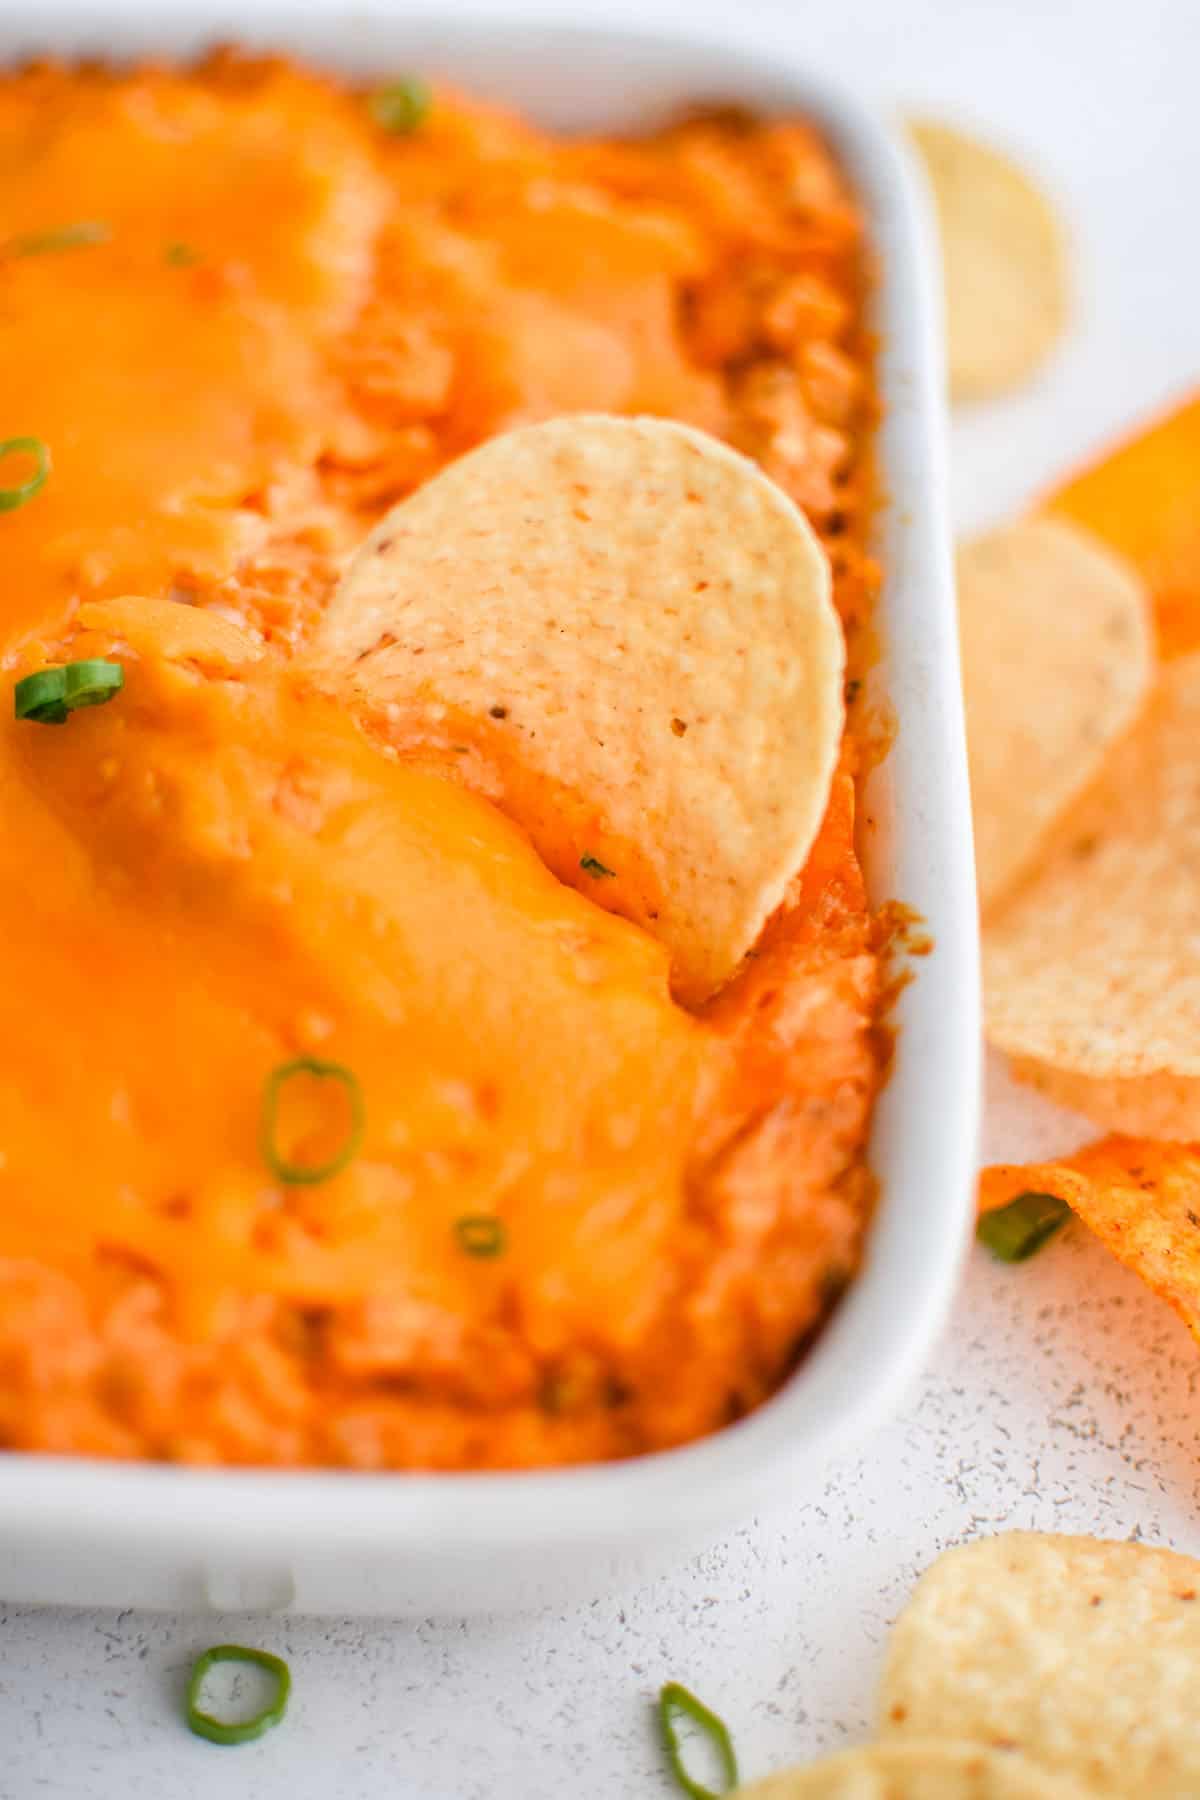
<point>88,1532</point>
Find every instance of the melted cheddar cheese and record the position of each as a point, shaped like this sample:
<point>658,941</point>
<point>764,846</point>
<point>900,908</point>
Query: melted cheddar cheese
<point>283,321</point>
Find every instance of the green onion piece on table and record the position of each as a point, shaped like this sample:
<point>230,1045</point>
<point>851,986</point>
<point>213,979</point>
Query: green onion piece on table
<point>675,1702</point>
<point>1018,1230</point>
<point>402,105</point>
<point>481,1234</point>
<point>308,1174</point>
<point>217,1731</point>
<point>49,696</point>
<point>12,497</point>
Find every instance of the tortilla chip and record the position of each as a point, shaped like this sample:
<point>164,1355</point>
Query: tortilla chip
<point>1004,262</point>
<point>1057,662</point>
<point>1152,1106</point>
<point>1083,1655</point>
<point>1144,499</point>
<point>637,627</point>
<point>1141,1199</point>
<point>930,1770</point>
<point>1093,967</point>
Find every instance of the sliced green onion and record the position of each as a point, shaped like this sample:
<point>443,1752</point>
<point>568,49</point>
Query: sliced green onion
<point>481,1234</point>
<point>92,682</point>
<point>402,105</point>
<point>596,869</point>
<point>68,237</point>
<point>217,1731</point>
<point>675,1701</point>
<point>47,696</point>
<point>42,697</point>
<point>180,256</point>
<point>12,497</point>
<point>1019,1230</point>
<point>308,1174</point>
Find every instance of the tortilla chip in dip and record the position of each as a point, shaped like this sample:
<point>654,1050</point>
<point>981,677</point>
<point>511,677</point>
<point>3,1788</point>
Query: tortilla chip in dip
<point>1057,661</point>
<point>1093,967</point>
<point>636,625</point>
<point>1004,262</point>
<point>1141,1199</point>
<point>933,1769</point>
<point>1080,1654</point>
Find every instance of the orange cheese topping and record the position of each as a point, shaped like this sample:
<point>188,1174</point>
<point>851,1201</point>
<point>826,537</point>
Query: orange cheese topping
<point>175,368</point>
<point>290,321</point>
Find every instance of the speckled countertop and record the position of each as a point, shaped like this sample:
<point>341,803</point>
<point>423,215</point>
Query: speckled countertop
<point>1063,1396</point>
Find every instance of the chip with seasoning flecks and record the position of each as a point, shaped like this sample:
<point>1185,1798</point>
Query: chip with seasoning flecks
<point>1142,497</point>
<point>1141,1199</point>
<point>635,625</point>
<point>1143,1106</point>
<point>1083,1656</point>
<point>930,1770</point>
<point>1092,966</point>
<point>1057,662</point>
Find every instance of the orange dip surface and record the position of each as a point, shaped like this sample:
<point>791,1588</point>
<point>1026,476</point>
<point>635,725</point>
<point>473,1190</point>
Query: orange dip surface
<point>281,319</point>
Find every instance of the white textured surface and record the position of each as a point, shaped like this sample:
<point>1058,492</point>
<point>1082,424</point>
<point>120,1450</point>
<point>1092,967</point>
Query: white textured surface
<point>1063,1398</point>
